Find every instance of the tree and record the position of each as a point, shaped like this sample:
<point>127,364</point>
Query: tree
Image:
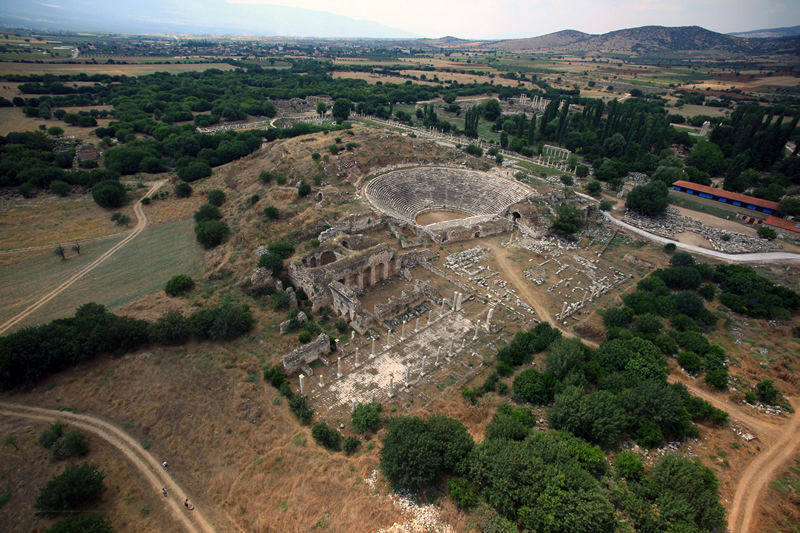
<point>536,387</point>
<point>565,356</point>
<point>298,405</point>
<point>651,199</point>
<point>789,206</point>
<point>410,456</point>
<point>582,171</point>
<point>303,189</point>
<point>768,392</point>
<point>109,194</point>
<point>595,188</point>
<point>216,197</point>
<point>568,220</point>
<point>341,109</point>
<point>606,205</point>
<point>463,492</point>
<point>194,171</point>
<point>567,180</point>
<point>474,149</point>
<point>210,233</point>
<point>491,110</point>
<point>183,190</point>
<point>322,108</point>
<point>55,131</point>
<point>179,285</point>
<point>629,465</point>
<point>325,436</point>
<point>707,157</point>
<point>73,489</point>
<point>59,251</point>
<point>170,329</point>
<point>767,233</point>
<point>367,417</point>
<point>351,444</point>
<point>271,261</point>
<point>49,436</point>
<point>207,212</point>
<point>596,417</point>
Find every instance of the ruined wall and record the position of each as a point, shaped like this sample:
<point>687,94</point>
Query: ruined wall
<point>353,224</point>
<point>422,291</point>
<point>466,233</point>
<point>305,354</point>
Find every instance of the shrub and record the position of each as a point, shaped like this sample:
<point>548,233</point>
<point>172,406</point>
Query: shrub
<point>299,408</point>
<point>82,523</point>
<point>179,285</point>
<point>271,212</point>
<point>463,492</point>
<point>367,417</point>
<point>170,329</point>
<point>216,197</point>
<point>281,248</point>
<point>690,361</point>
<point>194,171</point>
<point>109,194</point>
<point>767,233</point>
<point>221,323</point>
<point>629,466</point>
<point>325,436</point>
<point>341,326</point>
<point>474,149</point>
<point>61,188</point>
<point>50,435</point>
<point>670,247</point>
<point>279,300</point>
<point>73,489</point>
<point>303,189</point>
<point>718,378</point>
<point>254,199</point>
<point>767,392</point>
<point>207,212</point>
<point>266,177</point>
<point>275,376</point>
<point>304,337</point>
<point>606,205</point>
<point>350,445</point>
<point>71,444</point>
<point>210,233</point>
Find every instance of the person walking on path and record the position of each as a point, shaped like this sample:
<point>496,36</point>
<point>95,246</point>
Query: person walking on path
<point>164,464</point>
<point>164,492</point>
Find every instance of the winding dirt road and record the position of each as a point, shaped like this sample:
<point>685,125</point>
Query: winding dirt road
<point>158,477</point>
<point>141,223</point>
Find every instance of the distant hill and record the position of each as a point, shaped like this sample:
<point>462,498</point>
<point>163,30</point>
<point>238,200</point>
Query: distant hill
<point>772,33</point>
<point>205,18</point>
<point>648,41</point>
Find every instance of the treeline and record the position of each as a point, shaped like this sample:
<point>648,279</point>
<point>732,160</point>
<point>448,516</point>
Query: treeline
<point>33,353</point>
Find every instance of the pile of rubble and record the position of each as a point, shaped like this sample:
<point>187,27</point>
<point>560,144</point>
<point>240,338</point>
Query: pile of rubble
<point>673,222</point>
<point>422,517</point>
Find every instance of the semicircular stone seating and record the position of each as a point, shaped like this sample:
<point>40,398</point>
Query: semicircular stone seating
<point>406,194</point>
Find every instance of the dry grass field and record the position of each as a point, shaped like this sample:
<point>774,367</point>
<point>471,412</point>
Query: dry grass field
<point>133,69</point>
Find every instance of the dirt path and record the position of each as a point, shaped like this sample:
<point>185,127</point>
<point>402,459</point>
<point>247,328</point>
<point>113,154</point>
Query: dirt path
<point>782,441</point>
<point>508,268</point>
<point>141,223</point>
<point>152,471</point>
<point>53,245</point>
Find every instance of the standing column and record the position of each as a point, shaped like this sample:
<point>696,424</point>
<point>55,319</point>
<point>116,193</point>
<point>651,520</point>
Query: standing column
<point>373,346</point>
<point>388,339</point>
<point>339,367</point>
<point>354,405</point>
<point>438,352</point>
<point>489,318</point>
<point>320,381</point>
<point>452,341</point>
<point>391,386</point>
<point>403,332</point>
<point>477,325</point>
<point>455,299</point>
<point>423,365</point>
<point>416,325</point>
<point>441,313</point>
<point>356,357</point>
<point>408,376</point>
<point>430,317</point>
<point>302,385</point>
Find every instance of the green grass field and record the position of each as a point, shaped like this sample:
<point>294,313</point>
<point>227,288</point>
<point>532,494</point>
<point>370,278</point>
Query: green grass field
<point>143,266</point>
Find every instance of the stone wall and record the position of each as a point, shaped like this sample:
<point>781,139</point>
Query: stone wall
<point>422,291</point>
<point>302,356</point>
<point>352,224</point>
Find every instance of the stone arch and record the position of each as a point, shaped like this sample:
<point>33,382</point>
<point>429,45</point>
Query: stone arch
<point>477,234</point>
<point>515,215</point>
<point>346,244</point>
<point>327,258</point>
<point>368,276</point>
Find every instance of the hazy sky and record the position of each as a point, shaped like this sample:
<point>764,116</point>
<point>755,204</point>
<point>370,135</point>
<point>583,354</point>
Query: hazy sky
<point>498,19</point>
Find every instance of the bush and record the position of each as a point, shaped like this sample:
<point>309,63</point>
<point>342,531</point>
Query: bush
<point>170,329</point>
<point>670,247</point>
<point>71,444</point>
<point>474,149</point>
<point>183,190</point>
<point>303,189</point>
<point>463,492</point>
<point>367,417</point>
<point>216,197</point>
<point>222,323</point>
<point>275,376</point>
<point>325,436</point>
<point>629,466</point>
<point>690,361</point>
<point>350,445</point>
<point>194,171</point>
<point>718,378</point>
<point>109,194</point>
<point>606,205</point>
<point>50,435</point>
<point>767,233</point>
<point>75,488</point>
<point>767,392</point>
<point>271,212</point>
<point>594,188</point>
<point>179,285</point>
<point>61,188</point>
<point>304,337</point>
<point>207,212</point>
<point>82,523</point>
<point>279,300</point>
<point>211,233</point>
<point>282,249</point>
<point>299,408</point>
